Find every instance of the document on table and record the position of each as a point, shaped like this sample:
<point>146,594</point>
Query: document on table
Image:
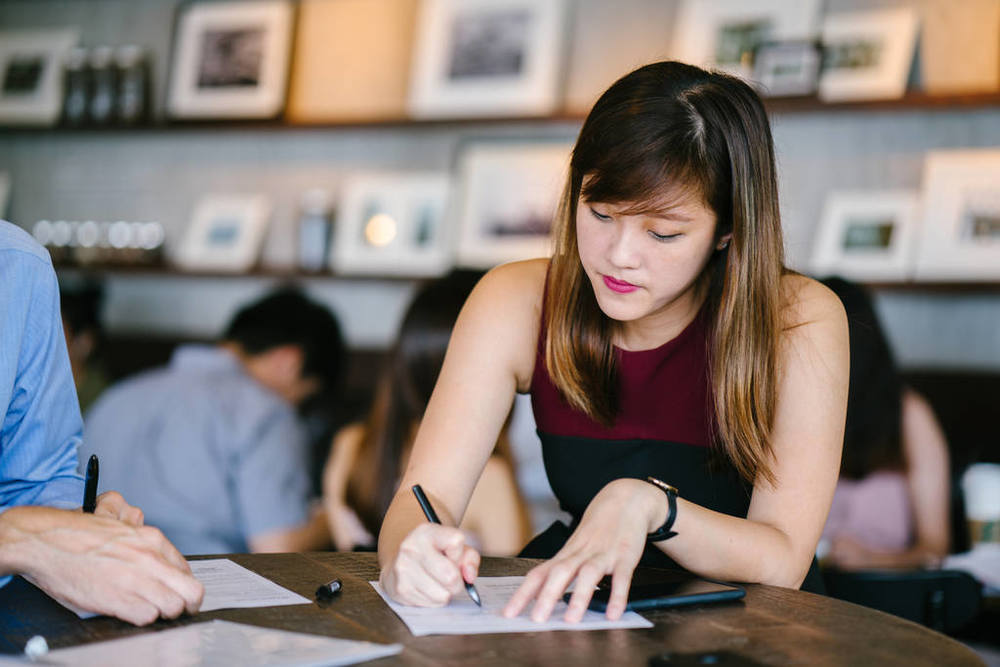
<point>229,586</point>
<point>463,617</point>
<point>220,643</point>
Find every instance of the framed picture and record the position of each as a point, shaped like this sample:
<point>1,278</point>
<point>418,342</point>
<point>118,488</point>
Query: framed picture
<point>508,195</point>
<point>783,69</point>
<point>867,235</point>
<point>725,34</point>
<point>867,55</point>
<point>960,234</point>
<point>31,75</point>
<point>486,58</point>
<point>393,224</point>
<point>4,193</point>
<point>231,60</point>
<point>225,233</point>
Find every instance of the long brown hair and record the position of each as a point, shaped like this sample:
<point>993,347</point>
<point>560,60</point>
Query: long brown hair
<point>670,128</point>
<point>403,392</point>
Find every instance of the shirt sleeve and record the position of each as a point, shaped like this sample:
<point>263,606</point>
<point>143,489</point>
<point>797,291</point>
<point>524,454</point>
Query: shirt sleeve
<point>41,427</point>
<point>272,479</point>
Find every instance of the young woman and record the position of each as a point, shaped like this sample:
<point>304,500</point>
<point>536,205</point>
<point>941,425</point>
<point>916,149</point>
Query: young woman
<point>891,508</point>
<point>367,459</point>
<point>665,340</point>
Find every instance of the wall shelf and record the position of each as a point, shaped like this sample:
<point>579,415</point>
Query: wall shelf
<point>914,101</point>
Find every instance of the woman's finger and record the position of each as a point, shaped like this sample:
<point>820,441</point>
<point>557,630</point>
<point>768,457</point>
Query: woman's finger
<point>560,575</point>
<point>586,581</point>
<point>526,592</point>
<point>621,581</point>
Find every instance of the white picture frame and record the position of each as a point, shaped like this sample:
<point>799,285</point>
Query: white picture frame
<point>960,230</point>
<point>487,58</point>
<point>786,69</point>
<point>391,223</point>
<point>508,194</point>
<point>867,55</point>
<point>31,74</point>
<point>867,235</point>
<point>723,34</point>
<point>231,60</point>
<point>225,233</point>
<point>4,193</point>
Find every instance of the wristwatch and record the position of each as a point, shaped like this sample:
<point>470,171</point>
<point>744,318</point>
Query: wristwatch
<point>664,532</point>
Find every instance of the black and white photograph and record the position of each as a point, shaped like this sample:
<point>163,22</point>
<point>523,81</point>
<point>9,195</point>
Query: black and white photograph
<point>393,223</point>
<point>783,69</point>
<point>231,60</point>
<point>486,58</point>
<point>31,74</point>
<point>491,43</point>
<point>507,200</point>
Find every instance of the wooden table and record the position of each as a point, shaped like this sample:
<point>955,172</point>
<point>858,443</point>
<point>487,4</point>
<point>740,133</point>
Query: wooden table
<point>773,626</point>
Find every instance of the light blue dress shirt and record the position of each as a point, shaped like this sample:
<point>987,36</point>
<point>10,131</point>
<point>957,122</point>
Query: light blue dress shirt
<point>41,426</point>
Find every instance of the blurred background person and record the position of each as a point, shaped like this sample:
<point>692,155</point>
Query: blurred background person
<point>81,317</point>
<point>211,446</point>
<point>367,459</point>
<point>891,508</point>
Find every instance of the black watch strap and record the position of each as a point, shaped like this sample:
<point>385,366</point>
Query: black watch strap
<point>664,532</point>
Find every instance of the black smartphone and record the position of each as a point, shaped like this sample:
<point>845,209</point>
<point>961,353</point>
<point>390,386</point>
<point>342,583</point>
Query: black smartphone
<point>675,592</point>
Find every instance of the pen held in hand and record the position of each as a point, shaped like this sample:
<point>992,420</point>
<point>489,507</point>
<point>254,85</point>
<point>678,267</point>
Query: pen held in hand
<point>90,485</point>
<point>425,505</point>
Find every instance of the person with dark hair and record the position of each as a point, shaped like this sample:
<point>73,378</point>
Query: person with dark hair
<point>107,561</point>
<point>211,446</point>
<point>689,390</point>
<point>367,460</point>
<point>81,319</point>
<point>891,508</point>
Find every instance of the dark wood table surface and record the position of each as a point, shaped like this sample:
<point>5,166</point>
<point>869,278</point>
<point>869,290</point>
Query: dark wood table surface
<point>771,626</point>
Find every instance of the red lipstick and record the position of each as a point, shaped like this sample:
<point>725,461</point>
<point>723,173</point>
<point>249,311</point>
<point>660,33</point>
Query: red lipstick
<point>620,286</point>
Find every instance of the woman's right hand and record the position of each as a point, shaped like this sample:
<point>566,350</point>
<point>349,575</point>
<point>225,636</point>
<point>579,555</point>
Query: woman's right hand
<point>433,564</point>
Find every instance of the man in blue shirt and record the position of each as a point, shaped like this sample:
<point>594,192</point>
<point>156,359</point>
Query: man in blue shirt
<point>210,446</point>
<point>108,562</point>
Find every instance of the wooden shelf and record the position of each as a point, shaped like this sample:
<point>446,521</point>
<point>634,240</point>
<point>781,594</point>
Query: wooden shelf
<point>914,101</point>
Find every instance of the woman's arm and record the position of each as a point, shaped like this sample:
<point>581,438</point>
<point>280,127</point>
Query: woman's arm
<point>490,356</point>
<point>925,450</point>
<point>336,473</point>
<point>496,512</point>
<point>776,542</point>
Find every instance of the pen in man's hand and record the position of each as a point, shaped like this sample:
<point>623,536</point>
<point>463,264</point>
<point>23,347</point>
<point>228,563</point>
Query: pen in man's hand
<point>432,516</point>
<point>90,486</point>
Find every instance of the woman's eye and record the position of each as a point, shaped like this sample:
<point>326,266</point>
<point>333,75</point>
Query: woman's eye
<point>600,216</point>
<point>663,237</point>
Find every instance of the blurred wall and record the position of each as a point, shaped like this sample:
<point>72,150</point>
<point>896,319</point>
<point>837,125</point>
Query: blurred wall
<point>156,174</point>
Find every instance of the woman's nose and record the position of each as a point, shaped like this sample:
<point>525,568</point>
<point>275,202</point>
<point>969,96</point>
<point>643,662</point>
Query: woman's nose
<point>624,250</point>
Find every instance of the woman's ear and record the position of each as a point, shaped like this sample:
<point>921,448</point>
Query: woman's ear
<point>723,241</point>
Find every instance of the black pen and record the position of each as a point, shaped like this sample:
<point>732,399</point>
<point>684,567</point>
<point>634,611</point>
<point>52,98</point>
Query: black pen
<point>330,590</point>
<point>90,485</point>
<point>432,516</point>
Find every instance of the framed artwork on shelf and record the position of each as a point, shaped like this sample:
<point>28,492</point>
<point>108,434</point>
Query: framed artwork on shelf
<point>31,75</point>
<point>231,59</point>
<point>4,193</point>
<point>370,42</point>
<point>867,55</point>
<point>225,233</point>
<point>726,33</point>
<point>486,58</point>
<point>960,234</point>
<point>783,69</point>
<point>507,200</point>
<point>867,235</point>
<point>393,224</point>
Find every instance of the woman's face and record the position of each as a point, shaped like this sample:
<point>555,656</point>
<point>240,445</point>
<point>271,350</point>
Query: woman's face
<point>645,265</point>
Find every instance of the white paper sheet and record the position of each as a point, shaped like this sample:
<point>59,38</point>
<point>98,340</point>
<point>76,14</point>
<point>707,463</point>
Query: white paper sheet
<point>221,643</point>
<point>229,586</point>
<point>463,617</point>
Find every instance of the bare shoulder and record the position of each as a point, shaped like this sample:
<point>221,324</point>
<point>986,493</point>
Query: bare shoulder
<point>518,284</point>
<point>806,302</point>
<point>346,442</point>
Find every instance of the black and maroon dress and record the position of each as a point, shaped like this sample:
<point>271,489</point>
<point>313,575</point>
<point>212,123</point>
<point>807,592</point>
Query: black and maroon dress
<point>663,429</point>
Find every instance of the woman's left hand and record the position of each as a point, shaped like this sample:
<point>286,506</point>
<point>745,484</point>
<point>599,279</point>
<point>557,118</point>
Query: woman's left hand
<point>609,540</point>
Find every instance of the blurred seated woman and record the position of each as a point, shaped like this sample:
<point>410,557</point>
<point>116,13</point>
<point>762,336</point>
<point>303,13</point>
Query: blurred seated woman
<point>368,459</point>
<point>891,505</point>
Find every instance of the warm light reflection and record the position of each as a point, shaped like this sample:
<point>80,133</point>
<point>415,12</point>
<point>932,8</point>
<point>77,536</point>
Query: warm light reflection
<point>380,229</point>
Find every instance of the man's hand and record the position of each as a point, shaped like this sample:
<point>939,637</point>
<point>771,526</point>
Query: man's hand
<point>100,564</point>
